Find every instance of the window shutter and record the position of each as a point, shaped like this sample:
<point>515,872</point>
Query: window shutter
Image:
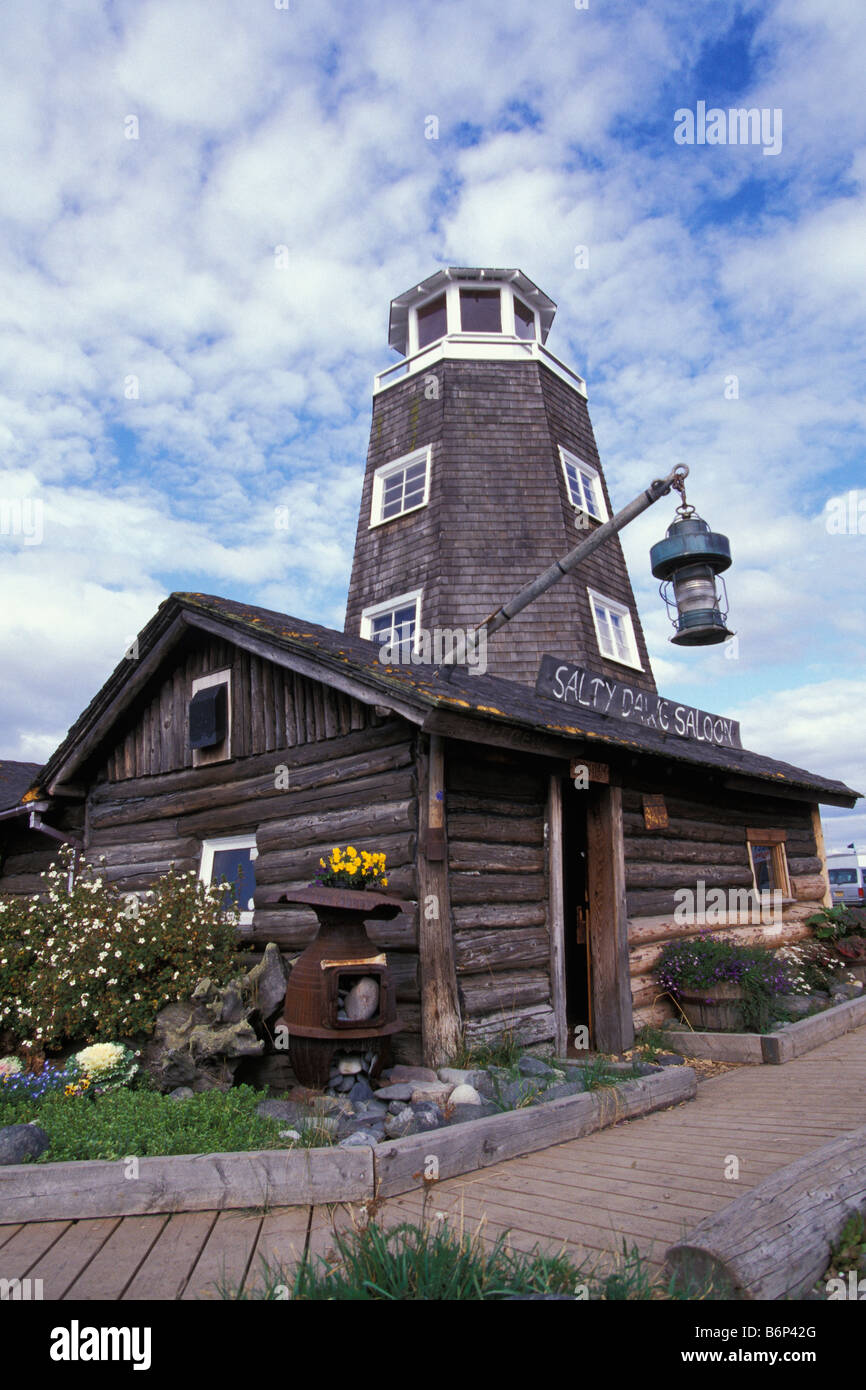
<point>208,711</point>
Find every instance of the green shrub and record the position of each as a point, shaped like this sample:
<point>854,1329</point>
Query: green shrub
<point>84,962</point>
<point>121,1123</point>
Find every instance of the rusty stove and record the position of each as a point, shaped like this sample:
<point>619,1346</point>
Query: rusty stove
<point>341,955</point>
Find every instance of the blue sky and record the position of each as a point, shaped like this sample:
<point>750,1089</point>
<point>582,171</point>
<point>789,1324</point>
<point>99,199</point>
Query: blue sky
<point>165,385</point>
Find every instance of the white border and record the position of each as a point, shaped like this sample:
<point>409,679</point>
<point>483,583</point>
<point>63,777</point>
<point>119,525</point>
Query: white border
<point>220,752</point>
<point>625,612</point>
<point>592,476</point>
<point>384,471</point>
<point>245,916</point>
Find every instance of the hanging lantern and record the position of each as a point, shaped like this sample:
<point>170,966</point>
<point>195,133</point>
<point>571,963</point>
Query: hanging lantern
<point>688,561</point>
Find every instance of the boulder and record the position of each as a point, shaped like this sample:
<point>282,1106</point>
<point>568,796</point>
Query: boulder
<point>264,987</point>
<point>435,1091</point>
<point>362,1138</point>
<point>181,1093</point>
<point>401,1073</point>
<point>398,1092</point>
<point>362,1001</point>
<point>464,1095</point>
<point>20,1142</point>
<point>532,1066</point>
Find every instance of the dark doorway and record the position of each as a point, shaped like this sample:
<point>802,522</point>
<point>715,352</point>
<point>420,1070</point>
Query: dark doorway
<point>575,911</point>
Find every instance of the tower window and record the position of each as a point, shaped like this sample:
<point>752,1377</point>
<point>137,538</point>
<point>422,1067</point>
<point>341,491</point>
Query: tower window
<point>614,630</point>
<point>524,319</point>
<point>480,311</point>
<point>400,486</point>
<point>393,624</point>
<point>584,485</point>
<point>432,321</point>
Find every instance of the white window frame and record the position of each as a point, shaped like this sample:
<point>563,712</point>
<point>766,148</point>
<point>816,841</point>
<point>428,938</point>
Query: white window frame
<point>623,611</point>
<point>205,873</point>
<point>387,470</point>
<point>401,601</point>
<point>774,840</point>
<point>592,477</point>
<point>220,752</point>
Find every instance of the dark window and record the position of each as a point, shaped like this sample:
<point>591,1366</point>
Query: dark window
<point>208,713</point>
<point>479,311</point>
<point>524,320</point>
<point>432,321</point>
<point>843,876</point>
<point>765,869</point>
<point>237,867</point>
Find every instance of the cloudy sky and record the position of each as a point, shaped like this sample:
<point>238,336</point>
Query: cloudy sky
<point>168,379</point>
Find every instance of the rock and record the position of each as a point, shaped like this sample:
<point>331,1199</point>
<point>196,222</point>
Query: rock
<point>290,1134</point>
<point>401,1073</point>
<point>403,1091</point>
<point>459,1114</point>
<point>233,1040</point>
<point>264,987</point>
<point>427,1116</point>
<point>669,1059</point>
<point>398,1126</point>
<point>325,1125</point>
<point>347,1083</point>
<point>362,1001</point>
<point>532,1066</point>
<point>652,1068</point>
<point>232,1010</point>
<point>797,1004</point>
<point>459,1076</point>
<point>435,1091</point>
<point>562,1088</point>
<point>849,991</point>
<point>181,1093</point>
<point>361,1139</point>
<point>350,1124</point>
<point>20,1142</point>
<point>512,1093</point>
<point>396,1107</point>
<point>370,1107</point>
<point>350,1066</point>
<point>464,1095</point>
<point>361,1090</point>
<point>288,1110</point>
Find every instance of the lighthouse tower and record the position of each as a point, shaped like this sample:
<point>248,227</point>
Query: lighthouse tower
<point>482,470</point>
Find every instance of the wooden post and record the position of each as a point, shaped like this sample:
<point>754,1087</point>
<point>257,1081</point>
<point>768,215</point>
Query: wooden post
<point>821,851</point>
<point>557,913</point>
<point>440,1009</point>
<point>608,924</point>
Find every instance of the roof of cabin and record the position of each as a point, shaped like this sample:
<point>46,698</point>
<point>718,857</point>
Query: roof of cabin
<point>416,692</point>
<point>15,778</point>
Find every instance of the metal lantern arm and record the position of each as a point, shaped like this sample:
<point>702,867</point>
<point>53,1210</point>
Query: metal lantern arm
<point>659,488</point>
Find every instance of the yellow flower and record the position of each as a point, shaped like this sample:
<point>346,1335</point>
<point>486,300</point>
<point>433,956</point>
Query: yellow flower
<point>322,862</point>
<point>384,883</point>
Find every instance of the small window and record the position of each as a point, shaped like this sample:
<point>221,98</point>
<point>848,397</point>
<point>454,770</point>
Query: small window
<point>209,731</point>
<point>584,485</point>
<point>394,624</point>
<point>400,486</point>
<point>843,876</point>
<point>769,861</point>
<point>614,630</point>
<point>480,311</point>
<point>231,858</point>
<point>432,321</point>
<point>524,319</point>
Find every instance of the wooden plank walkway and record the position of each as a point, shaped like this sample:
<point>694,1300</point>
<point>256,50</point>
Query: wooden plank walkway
<point>645,1181</point>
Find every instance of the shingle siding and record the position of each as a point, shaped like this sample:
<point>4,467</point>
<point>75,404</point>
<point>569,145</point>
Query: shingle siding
<point>498,514</point>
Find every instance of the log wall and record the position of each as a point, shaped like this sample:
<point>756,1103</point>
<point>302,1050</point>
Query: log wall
<point>495,805</point>
<point>706,840</point>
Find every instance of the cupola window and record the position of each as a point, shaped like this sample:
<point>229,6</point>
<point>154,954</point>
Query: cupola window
<point>480,311</point>
<point>432,321</point>
<point>524,319</point>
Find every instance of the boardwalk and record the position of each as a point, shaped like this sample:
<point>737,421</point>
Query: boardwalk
<point>646,1181</point>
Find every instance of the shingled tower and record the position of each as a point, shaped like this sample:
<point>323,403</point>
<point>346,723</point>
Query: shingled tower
<point>482,469</point>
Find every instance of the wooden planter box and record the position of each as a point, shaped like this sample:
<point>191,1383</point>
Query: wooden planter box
<point>717,1007</point>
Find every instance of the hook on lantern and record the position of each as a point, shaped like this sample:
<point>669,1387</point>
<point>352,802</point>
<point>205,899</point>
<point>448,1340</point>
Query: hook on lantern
<point>688,561</point>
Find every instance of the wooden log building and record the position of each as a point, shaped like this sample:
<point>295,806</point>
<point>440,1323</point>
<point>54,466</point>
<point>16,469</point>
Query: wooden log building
<point>540,814</point>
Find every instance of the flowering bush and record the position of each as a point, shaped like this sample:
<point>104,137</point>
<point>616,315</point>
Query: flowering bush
<point>814,965</point>
<point>701,964</point>
<point>84,961</point>
<point>32,1087</point>
<point>350,869</point>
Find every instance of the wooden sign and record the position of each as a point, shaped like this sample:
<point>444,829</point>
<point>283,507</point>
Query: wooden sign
<point>655,813</point>
<point>568,684</point>
<point>595,772</point>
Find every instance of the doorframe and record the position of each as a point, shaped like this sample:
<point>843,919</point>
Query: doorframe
<point>607,924</point>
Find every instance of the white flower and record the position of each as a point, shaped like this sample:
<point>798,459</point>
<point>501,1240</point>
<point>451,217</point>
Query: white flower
<point>100,1057</point>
